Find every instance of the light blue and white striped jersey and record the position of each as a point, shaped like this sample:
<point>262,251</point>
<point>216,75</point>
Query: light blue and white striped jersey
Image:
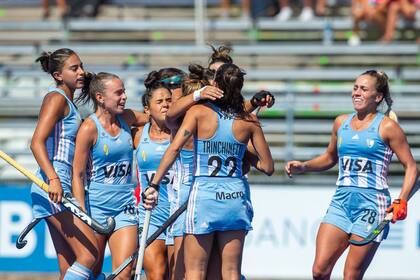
<point>61,141</point>
<point>221,155</point>
<point>112,156</point>
<point>363,156</point>
<point>148,156</point>
<point>187,166</point>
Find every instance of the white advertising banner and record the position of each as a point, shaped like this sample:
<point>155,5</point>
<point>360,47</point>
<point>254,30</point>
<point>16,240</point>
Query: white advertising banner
<point>286,220</point>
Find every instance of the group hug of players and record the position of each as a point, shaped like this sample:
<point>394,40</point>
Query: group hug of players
<point>194,143</point>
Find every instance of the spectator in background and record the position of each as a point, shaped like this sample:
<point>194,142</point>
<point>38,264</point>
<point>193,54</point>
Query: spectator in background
<point>307,12</point>
<point>409,9</point>
<point>246,9</point>
<point>366,10</point>
<point>61,4</point>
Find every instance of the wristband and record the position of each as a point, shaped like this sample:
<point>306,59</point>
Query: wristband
<point>197,95</point>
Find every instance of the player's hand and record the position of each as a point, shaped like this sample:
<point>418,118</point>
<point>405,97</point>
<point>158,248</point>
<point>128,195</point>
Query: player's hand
<point>262,98</point>
<point>150,197</point>
<point>294,167</point>
<point>211,93</point>
<point>55,190</point>
<point>398,209</point>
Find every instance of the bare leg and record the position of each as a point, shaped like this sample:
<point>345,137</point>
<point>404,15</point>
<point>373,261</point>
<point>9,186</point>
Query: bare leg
<point>358,259</point>
<point>320,7</point>
<point>197,250</point>
<point>170,249</point>
<point>65,255</point>
<point>155,260</point>
<point>45,9</point>
<point>391,21</point>
<point>283,3</point>
<point>123,243</point>
<point>330,245</point>
<point>101,240</point>
<point>246,7</point>
<point>225,8</point>
<point>231,244</point>
<point>214,267</point>
<point>62,6</point>
<point>77,236</point>
<point>179,266</point>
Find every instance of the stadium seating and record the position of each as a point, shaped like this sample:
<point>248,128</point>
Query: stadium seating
<point>312,81</point>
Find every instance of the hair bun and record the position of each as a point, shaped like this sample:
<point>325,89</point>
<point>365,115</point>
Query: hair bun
<point>152,79</point>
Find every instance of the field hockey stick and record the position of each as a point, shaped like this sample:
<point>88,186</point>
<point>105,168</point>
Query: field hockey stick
<point>75,210</point>
<point>379,228</point>
<point>142,246</point>
<point>21,242</point>
<point>149,241</point>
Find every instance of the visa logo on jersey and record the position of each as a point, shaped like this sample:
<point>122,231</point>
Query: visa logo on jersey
<point>358,164</point>
<point>117,170</point>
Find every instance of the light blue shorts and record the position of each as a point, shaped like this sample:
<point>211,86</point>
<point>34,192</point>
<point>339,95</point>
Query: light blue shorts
<point>218,204</point>
<point>358,211</point>
<point>42,206</point>
<point>178,227</point>
<point>118,201</point>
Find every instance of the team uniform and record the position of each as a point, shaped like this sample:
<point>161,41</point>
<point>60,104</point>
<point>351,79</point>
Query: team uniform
<point>362,196</point>
<point>148,155</point>
<point>60,148</point>
<point>218,184</point>
<point>110,191</point>
<point>184,168</point>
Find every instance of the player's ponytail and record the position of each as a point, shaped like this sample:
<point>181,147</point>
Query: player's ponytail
<point>93,84</point>
<point>197,78</point>
<point>230,79</point>
<point>54,62</point>
<point>221,54</point>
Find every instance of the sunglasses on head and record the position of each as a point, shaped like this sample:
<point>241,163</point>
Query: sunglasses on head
<point>172,82</point>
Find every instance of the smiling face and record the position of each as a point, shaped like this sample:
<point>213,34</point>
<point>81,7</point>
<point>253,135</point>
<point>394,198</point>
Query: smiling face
<point>159,104</point>
<point>364,95</point>
<point>72,73</point>
<point>113,99</point>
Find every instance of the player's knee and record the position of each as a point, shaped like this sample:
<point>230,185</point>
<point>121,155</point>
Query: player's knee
<point>157,274</point>
<point>88,258</point>
<point>353,274</point>
<point>231,272</point>
<point>320,272</point>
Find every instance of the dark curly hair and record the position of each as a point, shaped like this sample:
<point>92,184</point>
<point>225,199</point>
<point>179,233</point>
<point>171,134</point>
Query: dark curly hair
<point>54,61</point>
<point>198,78</point>
<point>230,79</point>
<point>152,83</point>
<point>221,54</point>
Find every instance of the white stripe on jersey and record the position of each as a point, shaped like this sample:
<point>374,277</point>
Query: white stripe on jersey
<point>197,166</point>
<point>381,200</point>
<point>191,206</point>
<point>362,180</point>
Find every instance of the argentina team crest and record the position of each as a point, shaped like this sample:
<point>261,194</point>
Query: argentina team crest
<point>370,142</point>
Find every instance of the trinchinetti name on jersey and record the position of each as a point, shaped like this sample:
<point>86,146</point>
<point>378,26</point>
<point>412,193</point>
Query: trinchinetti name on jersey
<point>221,147</point>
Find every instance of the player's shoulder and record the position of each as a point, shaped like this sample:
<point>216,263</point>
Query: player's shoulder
<point>88,125</point>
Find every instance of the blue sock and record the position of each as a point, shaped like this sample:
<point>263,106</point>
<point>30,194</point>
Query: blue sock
<point>77,272</point>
